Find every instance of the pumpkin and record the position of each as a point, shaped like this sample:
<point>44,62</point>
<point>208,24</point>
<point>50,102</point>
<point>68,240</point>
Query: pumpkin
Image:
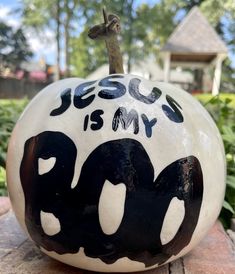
<point>120,174</point>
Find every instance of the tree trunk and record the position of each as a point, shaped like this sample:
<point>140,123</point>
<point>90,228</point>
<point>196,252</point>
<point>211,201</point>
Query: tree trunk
<point>69,13</point>
<point>66,38</point>
<point>130,34</point>
<point>58,11</point>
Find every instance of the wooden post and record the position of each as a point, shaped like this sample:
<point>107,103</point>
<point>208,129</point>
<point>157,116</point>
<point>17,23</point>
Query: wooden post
<point>167,66</point>
<point>217,74</point>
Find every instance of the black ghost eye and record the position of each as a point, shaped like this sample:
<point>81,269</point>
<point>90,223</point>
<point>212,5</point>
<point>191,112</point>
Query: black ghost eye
<point>45,165</point>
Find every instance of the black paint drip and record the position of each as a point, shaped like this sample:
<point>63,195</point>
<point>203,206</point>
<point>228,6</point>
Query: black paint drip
<point>147,201</point>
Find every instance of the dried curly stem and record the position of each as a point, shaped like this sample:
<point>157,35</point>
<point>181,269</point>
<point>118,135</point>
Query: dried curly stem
<point>109,31</point>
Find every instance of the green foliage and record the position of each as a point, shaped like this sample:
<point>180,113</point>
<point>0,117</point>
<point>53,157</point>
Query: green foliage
<point>209,99</point>
<point>216,9</point>
<point>9,114</point>
<point>144,30</point>
<point>228,72</point>
<point>38,13</point>
<point>13,46</point>
<point>3,191</point>
<point>84,50</point>
<point>222,110</point>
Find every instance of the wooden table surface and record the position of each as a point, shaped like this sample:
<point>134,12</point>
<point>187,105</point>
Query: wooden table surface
<point>18,255</point>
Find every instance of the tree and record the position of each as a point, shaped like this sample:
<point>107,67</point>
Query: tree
<point>144,30</point>
<point>87,55</point>
<point>221,15</point>
<point>40,14</point>
<point>145,27</point>
<point>62,16</point>
<point>13,47</point>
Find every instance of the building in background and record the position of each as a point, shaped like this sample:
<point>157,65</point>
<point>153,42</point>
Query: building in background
<point>149,69</point>
<point>196,46</point>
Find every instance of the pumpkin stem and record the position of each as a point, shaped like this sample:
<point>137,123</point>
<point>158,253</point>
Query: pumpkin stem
<point>109,31</point>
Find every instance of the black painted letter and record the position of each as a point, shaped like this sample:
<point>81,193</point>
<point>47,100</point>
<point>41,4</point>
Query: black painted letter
<point>117,89</point>
<point>96,118</point>
<point>121,116</point>
<point>80,91</point>
<point>148,124</point>
<point>134,92</point>
<point>173,113</point>
<point>66,102</point>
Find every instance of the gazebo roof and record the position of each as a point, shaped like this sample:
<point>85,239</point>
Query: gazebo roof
<point>194,35</point>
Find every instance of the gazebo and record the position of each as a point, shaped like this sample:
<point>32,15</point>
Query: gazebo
<point>195,44</point>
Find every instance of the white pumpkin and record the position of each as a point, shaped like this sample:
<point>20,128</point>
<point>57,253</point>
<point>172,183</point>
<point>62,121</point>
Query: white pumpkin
<point>116,175</point>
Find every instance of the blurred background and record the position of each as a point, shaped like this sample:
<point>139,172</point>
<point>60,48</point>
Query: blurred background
<point>190,43</point>
<point>43,41</point>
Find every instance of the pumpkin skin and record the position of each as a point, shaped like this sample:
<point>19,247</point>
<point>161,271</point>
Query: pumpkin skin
<point>115,175</point>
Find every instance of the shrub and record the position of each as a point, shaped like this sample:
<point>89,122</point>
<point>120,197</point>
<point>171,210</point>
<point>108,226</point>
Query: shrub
<point>9,114</point>
<point>222,110</point>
